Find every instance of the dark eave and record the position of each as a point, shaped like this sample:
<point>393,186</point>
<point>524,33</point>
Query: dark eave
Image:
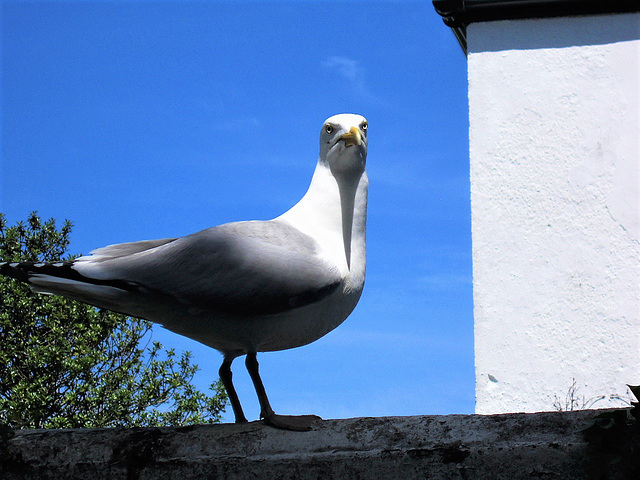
<point>457,14</point>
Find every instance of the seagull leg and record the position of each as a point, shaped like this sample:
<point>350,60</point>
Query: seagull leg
<point>226,377</point>
<point>286,422</point>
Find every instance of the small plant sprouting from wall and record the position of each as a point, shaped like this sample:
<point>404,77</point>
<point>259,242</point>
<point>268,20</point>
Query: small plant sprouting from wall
<point>574,401</point>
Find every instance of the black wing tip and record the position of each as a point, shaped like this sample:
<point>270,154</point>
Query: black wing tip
<point>14,270</point>
<point>22,270</point>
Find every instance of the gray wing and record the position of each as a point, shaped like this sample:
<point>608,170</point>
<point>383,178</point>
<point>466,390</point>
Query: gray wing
<point>123,249</point>
<point>252,268</point>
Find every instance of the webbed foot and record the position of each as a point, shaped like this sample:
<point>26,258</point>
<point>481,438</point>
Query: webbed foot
<point>297,423</point>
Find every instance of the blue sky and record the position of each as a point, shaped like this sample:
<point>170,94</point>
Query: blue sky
<point>158,119</point>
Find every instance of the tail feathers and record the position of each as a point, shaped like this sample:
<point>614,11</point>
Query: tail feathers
<point>48,274</point>
<point>61,278</point>
<point>12,270</point>
<point>23,270</point>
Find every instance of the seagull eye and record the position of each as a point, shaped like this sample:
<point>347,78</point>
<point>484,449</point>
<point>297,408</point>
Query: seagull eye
<point>329,129</point>
<point>364,126</point>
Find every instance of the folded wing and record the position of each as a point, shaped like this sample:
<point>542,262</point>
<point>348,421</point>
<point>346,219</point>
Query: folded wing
<point>244,268</point>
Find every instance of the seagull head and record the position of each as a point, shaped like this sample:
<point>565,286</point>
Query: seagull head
<point>343,144</point>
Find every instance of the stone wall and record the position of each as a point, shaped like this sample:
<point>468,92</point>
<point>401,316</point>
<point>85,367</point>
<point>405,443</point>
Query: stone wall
<point>509,446</point>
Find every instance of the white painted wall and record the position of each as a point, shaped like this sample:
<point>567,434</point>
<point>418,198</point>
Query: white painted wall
<point>555,193</point>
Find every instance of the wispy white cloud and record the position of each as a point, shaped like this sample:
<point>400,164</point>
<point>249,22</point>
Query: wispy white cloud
<point>354,73</point>
<point>347,67</point>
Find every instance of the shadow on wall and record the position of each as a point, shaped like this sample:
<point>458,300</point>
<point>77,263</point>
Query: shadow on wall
<point>559,32</point>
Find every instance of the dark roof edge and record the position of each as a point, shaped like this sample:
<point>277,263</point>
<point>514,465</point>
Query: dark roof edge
<point>457,14</point>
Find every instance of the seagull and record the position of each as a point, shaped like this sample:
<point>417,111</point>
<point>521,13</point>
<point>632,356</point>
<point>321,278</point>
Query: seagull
<point>242,287</point>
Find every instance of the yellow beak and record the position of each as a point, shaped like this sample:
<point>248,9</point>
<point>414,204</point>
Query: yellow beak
<point>352,137</point>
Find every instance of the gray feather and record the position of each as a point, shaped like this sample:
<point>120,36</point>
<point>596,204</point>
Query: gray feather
<point>251,268</point>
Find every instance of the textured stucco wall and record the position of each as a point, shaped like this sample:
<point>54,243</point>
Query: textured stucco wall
<point>554,128</point>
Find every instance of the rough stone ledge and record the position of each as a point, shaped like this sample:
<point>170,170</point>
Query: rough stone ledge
<point>510,446</point>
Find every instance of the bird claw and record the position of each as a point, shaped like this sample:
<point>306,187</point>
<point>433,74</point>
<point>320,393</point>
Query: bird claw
<point>296,423</point>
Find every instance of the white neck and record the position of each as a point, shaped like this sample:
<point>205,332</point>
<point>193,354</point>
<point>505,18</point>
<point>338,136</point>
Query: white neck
<point>334,213</point>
